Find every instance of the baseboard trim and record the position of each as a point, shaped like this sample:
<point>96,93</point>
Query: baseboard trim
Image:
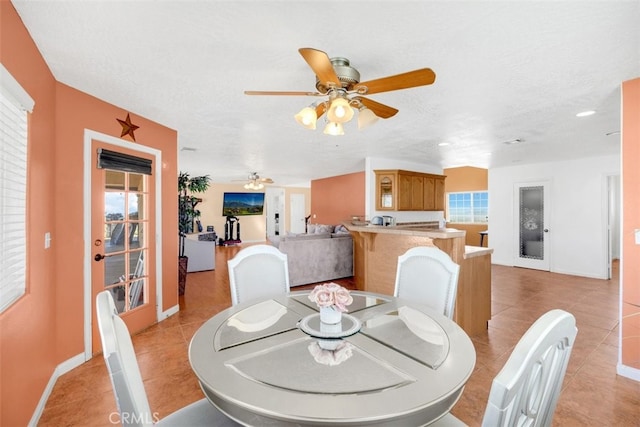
<point>61,369</point>
<point>628,372</point>
<point>170,312</point>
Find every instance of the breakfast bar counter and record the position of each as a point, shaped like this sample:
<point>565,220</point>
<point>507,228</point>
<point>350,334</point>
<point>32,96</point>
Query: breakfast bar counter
<point>376,251</point>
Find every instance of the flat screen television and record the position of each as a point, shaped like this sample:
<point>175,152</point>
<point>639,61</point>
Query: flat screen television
<point>238,204</point>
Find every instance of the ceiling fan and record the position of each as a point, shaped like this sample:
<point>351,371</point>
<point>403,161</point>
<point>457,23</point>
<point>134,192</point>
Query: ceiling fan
<point>254,182</point>
<point>340,84</point>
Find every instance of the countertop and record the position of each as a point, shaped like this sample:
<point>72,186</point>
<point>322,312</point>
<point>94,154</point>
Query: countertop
<point>474,251</point>
<point>408,230</point>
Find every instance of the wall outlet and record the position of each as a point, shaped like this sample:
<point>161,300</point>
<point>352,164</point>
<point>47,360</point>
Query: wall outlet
<point>637,234</point>
<point>47,240</point>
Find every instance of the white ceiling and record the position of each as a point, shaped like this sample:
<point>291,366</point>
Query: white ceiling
<point>505,71</point>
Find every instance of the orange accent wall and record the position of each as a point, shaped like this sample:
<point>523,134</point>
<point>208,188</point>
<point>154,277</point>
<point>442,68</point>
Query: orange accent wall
<point>28,343</point>
<point>45,327</point>
<point>75,112</point>
<point>468,178</point>
<point>630,324</point>
<point>335,200</point>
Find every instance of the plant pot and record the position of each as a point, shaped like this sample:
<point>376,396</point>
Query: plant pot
<point>183,261</point>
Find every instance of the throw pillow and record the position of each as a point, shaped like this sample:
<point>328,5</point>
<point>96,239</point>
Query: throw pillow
<point>324,228</point>
<point>340,229</point>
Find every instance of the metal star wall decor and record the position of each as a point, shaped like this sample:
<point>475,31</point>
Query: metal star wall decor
<point>127,127</point>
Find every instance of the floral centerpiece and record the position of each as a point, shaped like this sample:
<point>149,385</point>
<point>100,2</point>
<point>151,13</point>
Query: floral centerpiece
<point>332,300</point>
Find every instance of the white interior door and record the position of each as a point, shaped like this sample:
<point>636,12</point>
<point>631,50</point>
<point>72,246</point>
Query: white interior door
<point>297,213</point>
<point>532,231</point>
<point>274,211</point>
<point>613,221</point>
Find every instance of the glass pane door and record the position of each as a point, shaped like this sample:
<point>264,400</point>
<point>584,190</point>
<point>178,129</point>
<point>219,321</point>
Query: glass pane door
<point>531,222</point>
<point>125,230</point>
<point>532,233</point>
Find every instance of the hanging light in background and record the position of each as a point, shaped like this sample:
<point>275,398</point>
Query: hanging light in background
<point>253,185</point>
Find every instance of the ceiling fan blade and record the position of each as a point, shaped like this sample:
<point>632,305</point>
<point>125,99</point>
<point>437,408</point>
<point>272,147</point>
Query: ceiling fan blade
<point>380,110</point>
<point>266,92</point>
<point>266,180</point>
<point>320,109</point>
<point>422,77</point>
<point>321,66</point>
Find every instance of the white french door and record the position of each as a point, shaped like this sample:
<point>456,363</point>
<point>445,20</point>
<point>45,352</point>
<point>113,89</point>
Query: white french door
<point>297,213</point>
<point>532,225</point>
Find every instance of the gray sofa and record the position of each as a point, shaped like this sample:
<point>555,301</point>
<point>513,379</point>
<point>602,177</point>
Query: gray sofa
<point>314,258</point>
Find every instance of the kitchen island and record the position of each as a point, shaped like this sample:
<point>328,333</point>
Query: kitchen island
<point>376,252</point>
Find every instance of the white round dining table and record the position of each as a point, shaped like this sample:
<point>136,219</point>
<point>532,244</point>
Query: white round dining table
<point>389,362</point>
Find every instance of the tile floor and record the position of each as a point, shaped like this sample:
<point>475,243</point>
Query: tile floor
<point>593,395</point>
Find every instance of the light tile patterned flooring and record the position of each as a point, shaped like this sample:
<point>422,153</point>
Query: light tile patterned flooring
<point>593,395</point>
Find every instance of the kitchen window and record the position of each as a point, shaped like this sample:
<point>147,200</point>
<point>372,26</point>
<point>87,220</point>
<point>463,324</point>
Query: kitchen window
<point>468,207</point>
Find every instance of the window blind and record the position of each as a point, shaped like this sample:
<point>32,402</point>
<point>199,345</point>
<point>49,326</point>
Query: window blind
<point>14,104</point>
<point>123,162</point>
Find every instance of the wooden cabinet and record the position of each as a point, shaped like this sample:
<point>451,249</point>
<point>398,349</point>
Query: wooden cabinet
<point>386,191</point>
<point>400,190</point>
<point>439,195</point>
<point>417,193</point>
<point>404,192</point>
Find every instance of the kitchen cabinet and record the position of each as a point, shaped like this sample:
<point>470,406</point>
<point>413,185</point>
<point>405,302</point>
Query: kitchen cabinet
<point>401,190</point>
<point>386,191</point>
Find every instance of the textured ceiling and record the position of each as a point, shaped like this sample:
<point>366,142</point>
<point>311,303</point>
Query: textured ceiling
<point>505,71</point>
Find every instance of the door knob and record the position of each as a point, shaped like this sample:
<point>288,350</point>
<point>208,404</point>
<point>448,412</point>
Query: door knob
<point>99,257</point>
<point>546,230</point>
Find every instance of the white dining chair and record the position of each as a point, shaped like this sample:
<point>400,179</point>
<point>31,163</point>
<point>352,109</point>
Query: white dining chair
<point>427,275</point>
<point>258,271</point>
<point>131,397</point>
<point>525,392</point>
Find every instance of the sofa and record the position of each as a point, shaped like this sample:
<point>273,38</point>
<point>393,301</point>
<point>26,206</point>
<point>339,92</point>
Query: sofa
<point>317,256</point>
<point>201,250</point>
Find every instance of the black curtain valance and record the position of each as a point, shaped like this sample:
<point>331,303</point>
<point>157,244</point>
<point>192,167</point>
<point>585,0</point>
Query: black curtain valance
<point>123,162</point>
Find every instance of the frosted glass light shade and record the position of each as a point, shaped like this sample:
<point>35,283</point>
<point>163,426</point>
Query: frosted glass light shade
<point>254,185</point>
<point>307,117</point>
<point>366,118</point>
<point>339,111</point>
<point>334,129</point>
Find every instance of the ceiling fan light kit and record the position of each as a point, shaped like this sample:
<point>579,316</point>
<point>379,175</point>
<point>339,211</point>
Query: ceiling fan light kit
<point>340,83</point>
<point>334,129</point>
<point>307,117</point>
<point>255,182</point>
<point>366,118</point>
<point>339,109</point>
<point>253,185</point>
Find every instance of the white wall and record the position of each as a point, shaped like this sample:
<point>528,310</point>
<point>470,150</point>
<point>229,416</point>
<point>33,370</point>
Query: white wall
<point>372,164</point>
<point>578,219</point>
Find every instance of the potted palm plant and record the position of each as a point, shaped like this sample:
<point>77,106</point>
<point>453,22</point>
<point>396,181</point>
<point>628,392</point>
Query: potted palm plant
<point>187,214</point>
